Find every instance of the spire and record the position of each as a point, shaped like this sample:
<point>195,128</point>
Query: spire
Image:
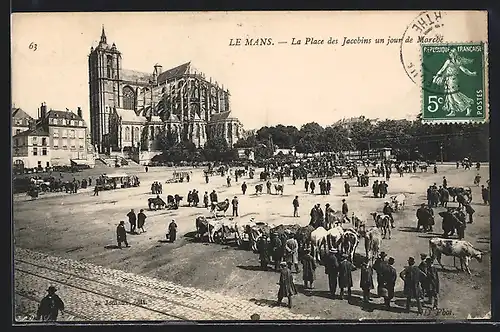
<point>103,36</point>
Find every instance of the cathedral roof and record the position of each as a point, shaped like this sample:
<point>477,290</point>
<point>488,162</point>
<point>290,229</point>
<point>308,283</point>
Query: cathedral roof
<point>134,75</point>
<point>220,116</point>
<point>174,72</point>
<point>129,115</point>
<point>173,118</point>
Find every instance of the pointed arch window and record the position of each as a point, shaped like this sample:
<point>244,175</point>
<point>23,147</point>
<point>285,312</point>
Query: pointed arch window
<point>109,66</point>
<point>137,134</point>
<point>128,98</point>
<point>127,134</point>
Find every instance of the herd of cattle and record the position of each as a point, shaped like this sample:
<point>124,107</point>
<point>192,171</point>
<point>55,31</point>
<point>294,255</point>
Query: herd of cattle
<point>342,235</point>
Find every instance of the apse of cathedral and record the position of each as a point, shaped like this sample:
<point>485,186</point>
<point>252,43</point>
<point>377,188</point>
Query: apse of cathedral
<point>132,110</point>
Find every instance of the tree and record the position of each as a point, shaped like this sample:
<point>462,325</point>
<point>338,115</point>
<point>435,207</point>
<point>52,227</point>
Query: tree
<point>167,140</point>
<point>216,148</point>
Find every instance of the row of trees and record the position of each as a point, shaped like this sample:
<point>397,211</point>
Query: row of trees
<point>408,140</point>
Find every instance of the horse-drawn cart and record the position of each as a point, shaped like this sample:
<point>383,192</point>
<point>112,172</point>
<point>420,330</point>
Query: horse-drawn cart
<point>178,177</point>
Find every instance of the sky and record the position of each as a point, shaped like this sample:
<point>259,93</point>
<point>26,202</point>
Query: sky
<point>269,85</point>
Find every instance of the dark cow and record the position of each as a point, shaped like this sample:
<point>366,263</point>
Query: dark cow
<point>220,207</point>
<point>464,191</point>
<point>258,189</point>
<point>156,203</point>
<point>383,222</point>
<point>173,201</point>
<point>279,188</point>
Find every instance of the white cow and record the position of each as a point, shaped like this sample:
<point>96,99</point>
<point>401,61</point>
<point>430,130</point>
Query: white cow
<point>399,201</point>
<point>456,248</point>
<point>318,239</point>
<point>334,237</point>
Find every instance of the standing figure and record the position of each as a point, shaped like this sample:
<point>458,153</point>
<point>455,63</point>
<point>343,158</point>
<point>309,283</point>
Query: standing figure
<point>141,220</point>
<point>292,252</point>
<point>366,280</point>
<point>295,204</point>
<point>390,277</point>
<point>412,276</point>
<point>309,268</point>
<point>287,286</point>
<point>49,307</point>
<point>347,188</point>
<point>244,187</point>
<point>345,211</point>
<point>132,218</point>
<point>234,202</point>
<point>345,276</point>
<point>121,234</point>
<point>332,270</point>
<point>432,282</point>
<point>172,231</point>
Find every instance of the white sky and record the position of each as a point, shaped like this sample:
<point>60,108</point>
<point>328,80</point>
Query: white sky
<point>269,85</point>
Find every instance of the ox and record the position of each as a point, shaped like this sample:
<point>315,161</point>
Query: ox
<point>382,221</point>
<point>221,206</point>
<point>204,226</point>
<point>318,240</point>
<point>398,201</point>
<point>279,188</point>
<point>350,241</point>
<point>334,237</point>
<point>258,189</point>
<point>456,248</point>
<point>156,203</point>
<point>373,242</point>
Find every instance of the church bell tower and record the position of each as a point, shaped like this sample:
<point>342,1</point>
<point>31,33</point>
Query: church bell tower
<point>104,84</point>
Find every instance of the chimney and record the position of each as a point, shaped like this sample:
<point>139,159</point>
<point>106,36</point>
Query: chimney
<point>43,111</point>
<point>79,112</point>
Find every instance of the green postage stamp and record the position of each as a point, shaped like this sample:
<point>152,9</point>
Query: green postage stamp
<point>453,82</point>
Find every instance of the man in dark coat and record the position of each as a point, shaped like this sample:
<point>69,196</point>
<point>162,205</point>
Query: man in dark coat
<point>345,276</point>
<point>445,182</point>
<point>375,188</point>
<point>306,185</point>
<point>412,276</point>
<point>49,307</point>
<point>132,218</point>
<point>287,286</point>
<point>347,188</point>
<point>141,220</point>
<point>295,204</point>
<point>309,268</point>
<point>235,202</point>
<point>244,187</point>
<point>172,231</point>
<point>263,249</point>
<point>390,276</point>
<point>206,201</point>
<point>388,210</point>
<point>445,197</point>
<point>277,250</point>
<point>485,194</point>
<point>332,270</point>
<point>470,211</point>
<point>424,218</point>
<point>423,282</point>
<point>121,234</point>
<point>312,185</point>
<point>432,282</point>
<point>345,211</point>
<point>380,266</point>
<point>366,280</point>
<point>213,197</point>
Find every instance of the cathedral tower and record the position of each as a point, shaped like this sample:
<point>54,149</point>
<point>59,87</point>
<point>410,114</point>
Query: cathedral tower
<point>104,78</point>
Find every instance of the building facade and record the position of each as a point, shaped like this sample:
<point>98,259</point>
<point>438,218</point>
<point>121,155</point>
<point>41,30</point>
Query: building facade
<point>133,110</point>
<point>21,121</point>
<point>31,149</point>
<point>58,138</point>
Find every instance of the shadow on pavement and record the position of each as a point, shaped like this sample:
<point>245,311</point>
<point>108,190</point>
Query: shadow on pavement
<point>255,268</point>
<point>265,302</point>
<point>111,246</point>
<point>408,229</point>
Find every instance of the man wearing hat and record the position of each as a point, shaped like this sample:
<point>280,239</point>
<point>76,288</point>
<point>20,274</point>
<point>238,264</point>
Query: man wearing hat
<point>424,217</point>
<point>292,251</point>
<point>432,282</point>
<point>388,210</point>
<point>332,270</point>
<point>380,266</point>
<point>345,211</point>
<point>412,276</point>
<point>141,220</point>
<point>345,276</point>
<point>50,305</point>
<point>172,231</point>
<point>389,282</point>
<point>328,212</point>
<point>423,267</point>
<point>366,280</point>
<point>287,286</point>
<point>121,234</point>
<point>235,202</point>
<point>308,268</point>
<point>296,204</point>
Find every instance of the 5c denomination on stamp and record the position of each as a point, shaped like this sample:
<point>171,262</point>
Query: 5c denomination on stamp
<point>453,82</point>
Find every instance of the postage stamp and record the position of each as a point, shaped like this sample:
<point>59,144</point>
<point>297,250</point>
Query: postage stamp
<point>453,82</point>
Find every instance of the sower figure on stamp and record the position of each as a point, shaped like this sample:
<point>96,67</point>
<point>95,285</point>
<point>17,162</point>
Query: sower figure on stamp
<point>49,307</point>
<point>287,286</point>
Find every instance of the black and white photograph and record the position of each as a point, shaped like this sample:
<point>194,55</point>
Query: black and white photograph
<point>245,166</point>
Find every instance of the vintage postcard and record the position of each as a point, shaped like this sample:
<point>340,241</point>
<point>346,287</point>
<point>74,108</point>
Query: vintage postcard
<point>250,166</point>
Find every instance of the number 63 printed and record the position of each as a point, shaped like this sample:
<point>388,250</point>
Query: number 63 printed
<point>33,46</point>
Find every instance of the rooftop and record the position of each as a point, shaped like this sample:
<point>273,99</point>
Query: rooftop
<point>33,132</point>
<point>20,114</point>
<point>129,115</point>
<point>68,115</point>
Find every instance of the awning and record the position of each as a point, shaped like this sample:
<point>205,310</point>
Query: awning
<point>117,175</point>
<point>79,162</point>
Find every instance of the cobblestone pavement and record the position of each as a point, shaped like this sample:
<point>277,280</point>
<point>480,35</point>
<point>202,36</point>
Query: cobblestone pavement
<point>92,292</point>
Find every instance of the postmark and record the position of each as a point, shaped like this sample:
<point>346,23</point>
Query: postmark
<point>452,82</point>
